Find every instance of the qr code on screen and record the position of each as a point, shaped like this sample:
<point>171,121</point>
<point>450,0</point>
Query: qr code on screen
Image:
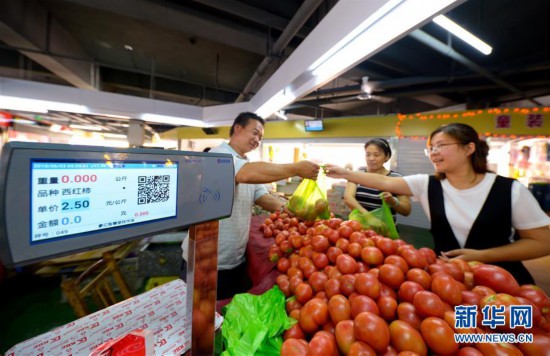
<point>153,189</point>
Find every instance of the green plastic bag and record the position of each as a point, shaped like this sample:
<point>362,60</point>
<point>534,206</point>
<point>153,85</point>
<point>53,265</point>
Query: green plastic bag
<point>379,220</point>
<point>309,201</point>
<point>254,324</point>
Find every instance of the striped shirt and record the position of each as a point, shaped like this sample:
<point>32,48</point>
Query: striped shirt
<point>370,198</point>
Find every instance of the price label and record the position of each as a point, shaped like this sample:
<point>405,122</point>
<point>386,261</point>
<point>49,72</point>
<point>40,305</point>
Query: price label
<point>71,198</point>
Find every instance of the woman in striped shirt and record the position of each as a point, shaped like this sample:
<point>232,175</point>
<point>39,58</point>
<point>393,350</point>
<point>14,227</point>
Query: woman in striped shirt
<point>356,196</point>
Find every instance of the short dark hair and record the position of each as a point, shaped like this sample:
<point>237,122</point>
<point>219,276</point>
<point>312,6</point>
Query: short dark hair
<point>243,119</point>
<point>382,144</point>
<point>465,134</point>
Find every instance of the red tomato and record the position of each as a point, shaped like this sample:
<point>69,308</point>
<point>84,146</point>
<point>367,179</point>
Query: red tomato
<point>347,284</point>
<point>468,351</point>
<point>320,260</point>
<point>501,299</point>
<point>540,346</point>
<point>386,291</point>
<point>296,241</point>
<point>355,225</point>
<point>317,281</point>
<point>294,281</point>
<point>428,304</point>
<point>414,258</point>
<point>292,304</point>
<point>346,264</point>
<point>332,287</point>
<point>295,347</point>
<point>313,315</point>
<point>407,312</point>
<point>284,284</point>
<point>320,243</point>
<point>361,304</point>
<point>438,335</point>
<point>470,298</point>
<point>294,332</point>
<point>483,291</point>
<point>387,246</point>
<point>345,231</point>
<point>387,307</point>
<point>421,277</point>
<point>534,294</point>
<point>339,308</point>
<point>303,293</point>
<point>407,291</point>
<point>429,254</point>
<point>283,264</point>
<point>372,256</point>
<point>359,348</point>
<point>398,261</point>
<point>502,349</point>
<point>342,244</point>
<point>537,315</point>
<point>469,280</point>
<point>496,278</point>
<point>367,284</point>
<point>373,330</point>
<point>333,253</point>
<point>334,223</point>
<point>354,250</point>
<point>454,270</point>
<point>345,336</point>
<point>447,289</point>
<point>356,236</point>
<point>391,275</point>
<point>406,338</point>
<point>323,343</point>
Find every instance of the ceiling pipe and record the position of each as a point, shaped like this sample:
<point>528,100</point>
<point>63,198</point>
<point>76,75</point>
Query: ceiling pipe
<point>302,15</point>
<point>448,51</point>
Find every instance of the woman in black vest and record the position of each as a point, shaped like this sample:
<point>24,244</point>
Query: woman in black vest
<point>475,214</point>
<point>357,196</point>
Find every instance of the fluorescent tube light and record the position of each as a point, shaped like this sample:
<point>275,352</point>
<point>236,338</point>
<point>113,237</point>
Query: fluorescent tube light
<point>281,115</point>
<point>86,127</point>
<point>279,100</point>
<point>380,30</point>
<point>351,36</point>
<point>112,135</point>
<point>39,106</point>
<point>463,34</point>
<point>173,120</point>
<point>20,104</point>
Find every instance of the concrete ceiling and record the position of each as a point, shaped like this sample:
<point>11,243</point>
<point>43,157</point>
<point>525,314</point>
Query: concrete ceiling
<point>210,52</point>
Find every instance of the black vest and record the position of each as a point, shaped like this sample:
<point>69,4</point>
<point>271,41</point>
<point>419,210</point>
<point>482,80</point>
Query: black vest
<point>492,227</point>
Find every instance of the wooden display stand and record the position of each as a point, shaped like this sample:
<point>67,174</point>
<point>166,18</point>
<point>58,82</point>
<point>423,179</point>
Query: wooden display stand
<point>202,278</point>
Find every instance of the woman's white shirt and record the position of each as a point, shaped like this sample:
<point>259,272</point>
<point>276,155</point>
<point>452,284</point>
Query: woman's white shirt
<point>462,206</point>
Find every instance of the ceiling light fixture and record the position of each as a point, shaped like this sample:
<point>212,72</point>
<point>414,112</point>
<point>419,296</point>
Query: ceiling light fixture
<point>113,135</point>
<point>39,106</point>
<point>463,34</point>
<point>173,120</point>
<point>277,101</point>
<point>281,115</point>
<point>86,127</point>
<point>384,27</point>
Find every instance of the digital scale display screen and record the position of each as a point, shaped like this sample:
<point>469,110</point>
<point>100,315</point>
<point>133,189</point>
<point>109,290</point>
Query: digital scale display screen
<point>69,198</point>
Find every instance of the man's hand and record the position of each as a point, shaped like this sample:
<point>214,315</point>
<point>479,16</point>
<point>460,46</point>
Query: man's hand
<point>307,169</point>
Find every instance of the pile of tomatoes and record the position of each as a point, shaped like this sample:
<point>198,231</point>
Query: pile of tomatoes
<point>354,292</point>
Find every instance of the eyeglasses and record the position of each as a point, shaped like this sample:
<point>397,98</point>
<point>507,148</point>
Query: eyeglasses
<point>437,148</point>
